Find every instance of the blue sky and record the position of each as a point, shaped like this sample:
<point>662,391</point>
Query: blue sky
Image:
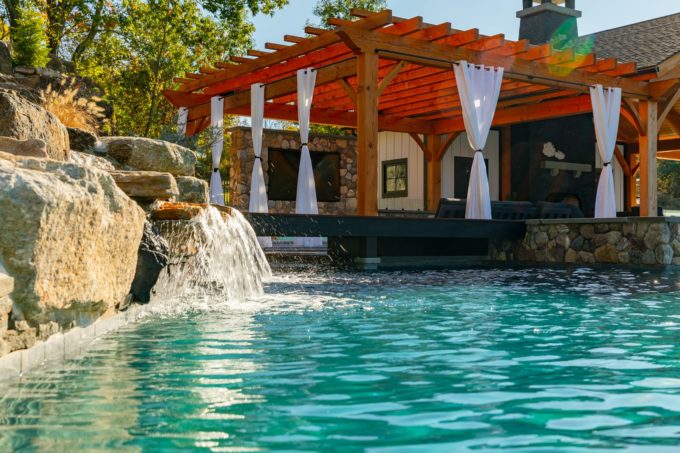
<point>490,16</point>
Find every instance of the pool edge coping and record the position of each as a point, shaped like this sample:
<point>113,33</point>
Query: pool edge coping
<point>64,346</point>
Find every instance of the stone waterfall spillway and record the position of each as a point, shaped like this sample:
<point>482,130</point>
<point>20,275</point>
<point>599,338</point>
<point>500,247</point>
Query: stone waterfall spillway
<point>212,255</point>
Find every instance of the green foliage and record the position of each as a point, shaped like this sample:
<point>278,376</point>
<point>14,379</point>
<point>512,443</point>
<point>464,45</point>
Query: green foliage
<point>669,178</point>
<point>326,9</point>
<point>30,39</point>
<point>153,42</point>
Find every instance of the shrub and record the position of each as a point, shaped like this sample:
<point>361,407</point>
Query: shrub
<point>30,39</point>
<point>73,111</point>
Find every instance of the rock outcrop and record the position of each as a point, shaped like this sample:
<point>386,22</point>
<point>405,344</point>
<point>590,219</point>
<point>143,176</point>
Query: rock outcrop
<point>150,185</point>
<point>69,238</point>
<point>153,256</point>
<point>146,154</point>
<point>25,148</point>
<point>23,120</point>
<point>192,190</point>
<point>90,160</point>
<point>82,140</point>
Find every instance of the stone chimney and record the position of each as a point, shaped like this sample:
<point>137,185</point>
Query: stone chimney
<point>543,21</point>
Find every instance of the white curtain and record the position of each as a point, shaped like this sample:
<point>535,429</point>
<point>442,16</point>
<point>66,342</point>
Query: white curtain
<point>258,190</point>
<point>217,132</point>
<point>606,112</point>
<point>479,88</point>
<point>182,117</point>
<point>305,201</point>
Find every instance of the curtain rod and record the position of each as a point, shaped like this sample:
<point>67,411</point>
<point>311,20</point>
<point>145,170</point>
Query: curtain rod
<point>530,77</point>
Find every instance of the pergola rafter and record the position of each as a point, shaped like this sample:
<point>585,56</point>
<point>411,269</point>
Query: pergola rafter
<point>381,72</point>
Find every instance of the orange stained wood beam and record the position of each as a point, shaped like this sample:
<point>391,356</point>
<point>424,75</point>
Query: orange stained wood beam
<point>516,68</point>
<point>434,172</point>
<point>525,113</point>
<point>367,134</point>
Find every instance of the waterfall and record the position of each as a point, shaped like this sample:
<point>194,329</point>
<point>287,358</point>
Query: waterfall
<point>212,256</point>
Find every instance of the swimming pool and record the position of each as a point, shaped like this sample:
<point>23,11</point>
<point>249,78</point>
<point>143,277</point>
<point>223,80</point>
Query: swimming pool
<point>467,360</point>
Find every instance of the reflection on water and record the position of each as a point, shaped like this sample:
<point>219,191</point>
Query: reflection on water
<point>474,360</point>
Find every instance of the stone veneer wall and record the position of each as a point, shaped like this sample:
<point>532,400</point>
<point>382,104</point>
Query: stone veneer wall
<point>242,159</point>
<point>634,241</point>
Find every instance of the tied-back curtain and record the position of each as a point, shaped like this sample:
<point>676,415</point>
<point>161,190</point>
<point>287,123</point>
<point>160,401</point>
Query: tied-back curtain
<point>258,190</point>
<point>606,111</point>
<point>217,133</point>
<point>182,117</point>
<point>305,201</point>
<point>478,87</point>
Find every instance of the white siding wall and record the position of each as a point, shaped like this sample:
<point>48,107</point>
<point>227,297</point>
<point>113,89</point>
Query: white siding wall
<point>461,147</point>
<point>395,145</point>
<point>618,177</point>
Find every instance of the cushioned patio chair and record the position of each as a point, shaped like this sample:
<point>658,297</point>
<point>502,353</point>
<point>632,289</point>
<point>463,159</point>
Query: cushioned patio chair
<point>450,208</point>
<point>512,210</point>
<point>546,210</point>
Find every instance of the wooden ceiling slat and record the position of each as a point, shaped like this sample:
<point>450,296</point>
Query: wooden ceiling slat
<point>487,43</point>
<point>461,38</point>
<point>275,46</point>
<point>294,39</point>
<point>511,48</point>
<point>258,53</point>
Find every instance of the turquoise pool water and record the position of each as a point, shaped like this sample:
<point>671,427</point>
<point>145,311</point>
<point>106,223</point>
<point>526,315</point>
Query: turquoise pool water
<point>477,360</point>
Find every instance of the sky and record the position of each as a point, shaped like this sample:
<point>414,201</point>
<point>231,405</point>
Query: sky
<point>464,14</point>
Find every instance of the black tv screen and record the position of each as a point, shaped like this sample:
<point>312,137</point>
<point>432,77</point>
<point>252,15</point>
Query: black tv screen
<point>283,173</point>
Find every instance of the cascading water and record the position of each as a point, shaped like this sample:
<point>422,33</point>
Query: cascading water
<point>212,256</point>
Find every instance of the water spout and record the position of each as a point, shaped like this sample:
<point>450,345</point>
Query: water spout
<point>212,255</point>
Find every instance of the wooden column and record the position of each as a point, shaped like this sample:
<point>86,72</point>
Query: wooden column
<point>631,183</point>
<point>434,172</point>
<point>506,163</point>
<point>648,169</point>
<point>367,133</point>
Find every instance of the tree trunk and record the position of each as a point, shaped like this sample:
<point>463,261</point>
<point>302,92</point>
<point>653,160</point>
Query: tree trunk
<point>155,87</point>
<point>91,34</point>
<point>11,7</point>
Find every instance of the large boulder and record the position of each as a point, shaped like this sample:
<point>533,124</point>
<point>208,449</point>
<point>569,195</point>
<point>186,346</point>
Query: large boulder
<point>153,256</point>
<point>24,120</point>
<point>192,190</point>
<point>137,153</point>
<point>90,160</point>
<point>146,184</point>
<point>69,238</point>
<point>82,140</point>
<point>25,148</point>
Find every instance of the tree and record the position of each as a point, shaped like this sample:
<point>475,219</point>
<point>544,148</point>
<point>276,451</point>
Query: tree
<point>326,9</point>
<point>30,41</point>
<point>73,25</point>
<point>155,41</point>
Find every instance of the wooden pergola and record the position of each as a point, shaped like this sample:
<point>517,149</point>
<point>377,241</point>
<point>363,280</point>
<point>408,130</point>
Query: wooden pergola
<point>382,72</point>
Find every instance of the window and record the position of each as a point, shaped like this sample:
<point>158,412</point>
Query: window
<point>284,165</point>
<point>395,178</point>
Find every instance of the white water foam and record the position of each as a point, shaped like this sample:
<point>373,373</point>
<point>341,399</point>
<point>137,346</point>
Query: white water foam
<point>215,259</point>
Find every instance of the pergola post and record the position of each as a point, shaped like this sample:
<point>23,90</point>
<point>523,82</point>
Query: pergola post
<point>367,133</point>
<point>434,172</point>
<point>631,183</point>
<point>648,164</point>
<point>506,163</point>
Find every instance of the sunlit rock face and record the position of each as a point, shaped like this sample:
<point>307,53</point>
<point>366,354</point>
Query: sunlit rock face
<point>24,120</point>
<point>69,238</point>
<point>136,153</point>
